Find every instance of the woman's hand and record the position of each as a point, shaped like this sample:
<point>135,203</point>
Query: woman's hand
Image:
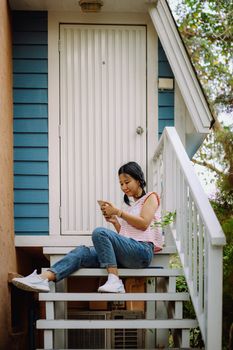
<point>109,209</point>
<point>112,219</point>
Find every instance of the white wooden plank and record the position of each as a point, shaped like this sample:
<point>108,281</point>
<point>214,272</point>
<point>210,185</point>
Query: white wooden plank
<point>185,338</point>
<point>190,237</point>
<point>48,339</point>
<point>116,324</point>
<point>111,296</point>
<point>150,314</point>
<point>53,125</point>
<point>130,272</point>
<point>49,309</point>
<point>64,250</point>
<point>195,257</point>
<point>178,313</point>
<point>200,266</point>
<point>214,297</point>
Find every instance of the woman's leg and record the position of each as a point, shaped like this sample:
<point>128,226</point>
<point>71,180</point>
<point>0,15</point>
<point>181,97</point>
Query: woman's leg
<point>115,250</point>
<point>81,256</point>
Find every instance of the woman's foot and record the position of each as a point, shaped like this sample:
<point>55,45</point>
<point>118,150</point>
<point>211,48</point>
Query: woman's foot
<point>32,283</point>
<point>113,285</point>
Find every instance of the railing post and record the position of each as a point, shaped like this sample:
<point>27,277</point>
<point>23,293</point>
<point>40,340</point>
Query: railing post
<point>214,272</point>
<point>168,198</point>
<point>168,175</point>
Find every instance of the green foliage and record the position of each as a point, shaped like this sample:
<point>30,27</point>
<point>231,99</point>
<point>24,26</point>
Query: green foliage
<point>166,219</point>
<point>206,27</point>
<point>216,155</point>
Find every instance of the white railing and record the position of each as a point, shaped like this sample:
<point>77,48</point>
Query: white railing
<point>196,232</point>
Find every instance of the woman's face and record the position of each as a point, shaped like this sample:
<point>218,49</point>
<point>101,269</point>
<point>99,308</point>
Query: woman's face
<point>129,185</point>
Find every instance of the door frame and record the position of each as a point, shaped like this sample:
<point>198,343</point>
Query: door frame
<point>54,20</point>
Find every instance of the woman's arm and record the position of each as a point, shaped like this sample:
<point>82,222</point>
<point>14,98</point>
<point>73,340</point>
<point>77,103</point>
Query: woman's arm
<point>140,222</point>
<point>113,220</point>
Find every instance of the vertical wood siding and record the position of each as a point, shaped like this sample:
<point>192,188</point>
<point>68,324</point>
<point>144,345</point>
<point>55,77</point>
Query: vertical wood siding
<point>30,83</point>
<point>166,98</point>
<point>103,101</point>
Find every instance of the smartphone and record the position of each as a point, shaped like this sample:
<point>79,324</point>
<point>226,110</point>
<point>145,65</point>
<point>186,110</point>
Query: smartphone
<point>101,203</point>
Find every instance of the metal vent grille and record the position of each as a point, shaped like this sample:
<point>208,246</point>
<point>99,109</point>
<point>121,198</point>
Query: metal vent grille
<point>88,338</point>
<point>127,338</point>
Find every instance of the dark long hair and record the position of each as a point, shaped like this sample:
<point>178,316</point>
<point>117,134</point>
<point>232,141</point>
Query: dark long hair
<point>135,171</point>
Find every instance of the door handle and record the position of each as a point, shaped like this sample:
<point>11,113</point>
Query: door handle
<point>139,130</point>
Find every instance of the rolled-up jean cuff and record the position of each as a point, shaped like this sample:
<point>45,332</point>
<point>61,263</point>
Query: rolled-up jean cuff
<point>106,265</point>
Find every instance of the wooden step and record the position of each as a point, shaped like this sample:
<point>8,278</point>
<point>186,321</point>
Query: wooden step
<point>113,296</point>
<point>116,324</point>
<point>160,259</point>
<point>65,250</point>
<point>152,271</point>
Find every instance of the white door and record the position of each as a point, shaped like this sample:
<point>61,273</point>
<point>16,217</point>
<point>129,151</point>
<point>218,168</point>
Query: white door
<point>103,102</point>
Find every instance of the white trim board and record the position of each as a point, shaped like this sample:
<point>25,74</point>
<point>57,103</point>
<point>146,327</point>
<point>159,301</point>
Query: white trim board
<point>181,66</point>
<point>52,241</point>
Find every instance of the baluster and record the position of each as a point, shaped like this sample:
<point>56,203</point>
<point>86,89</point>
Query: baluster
<point>173,183</point>
<point>195,251</point>
<point>200,272</point>
<point>205,275</point>
<point>159,175</point>
<point>177,186</point>
<point>181,213</point>
<point>186,208</point>
<point>48,334</point>
<point>190,237</point>
<point>155,175</point>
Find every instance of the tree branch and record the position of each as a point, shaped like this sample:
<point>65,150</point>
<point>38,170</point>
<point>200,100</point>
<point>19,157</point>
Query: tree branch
<point>208,166</point>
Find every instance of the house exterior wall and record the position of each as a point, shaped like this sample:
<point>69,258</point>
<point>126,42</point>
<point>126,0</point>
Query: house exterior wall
<point>7,250</point>
<point>165,98</point>
<point>30,67</point>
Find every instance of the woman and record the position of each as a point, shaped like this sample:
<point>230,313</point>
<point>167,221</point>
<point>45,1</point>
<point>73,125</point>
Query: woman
<point>132,246</point>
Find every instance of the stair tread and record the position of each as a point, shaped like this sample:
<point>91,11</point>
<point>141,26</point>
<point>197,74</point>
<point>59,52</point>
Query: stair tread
<point>65,250</point>
<point>113,296</point>
<point>151,271</point>
<point>117,324</point>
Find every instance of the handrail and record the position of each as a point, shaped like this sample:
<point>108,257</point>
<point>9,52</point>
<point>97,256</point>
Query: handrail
<point>217,236</point>
<point>196,231</point>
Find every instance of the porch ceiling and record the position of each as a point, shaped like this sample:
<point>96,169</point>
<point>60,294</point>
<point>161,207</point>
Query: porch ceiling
<point>73,5</point>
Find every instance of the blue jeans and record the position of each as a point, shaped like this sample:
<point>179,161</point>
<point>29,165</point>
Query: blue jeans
<point>110,250</point>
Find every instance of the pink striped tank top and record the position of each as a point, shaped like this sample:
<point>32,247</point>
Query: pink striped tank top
<point>153,235</point>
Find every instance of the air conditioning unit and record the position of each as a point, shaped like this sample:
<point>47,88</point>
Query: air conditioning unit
<point>89,338</point>
<point>105,338</point>
<point>127,338</point>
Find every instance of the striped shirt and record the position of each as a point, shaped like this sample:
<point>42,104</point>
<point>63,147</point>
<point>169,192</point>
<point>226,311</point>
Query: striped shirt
<point>153,235</point>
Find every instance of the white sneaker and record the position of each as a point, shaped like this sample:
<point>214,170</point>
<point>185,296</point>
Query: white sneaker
<point>32,283</point>
<point>112,286</point>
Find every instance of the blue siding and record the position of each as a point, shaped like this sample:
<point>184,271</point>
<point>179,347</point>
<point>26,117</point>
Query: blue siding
<point>30,83</point>
<point>166,98</point>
